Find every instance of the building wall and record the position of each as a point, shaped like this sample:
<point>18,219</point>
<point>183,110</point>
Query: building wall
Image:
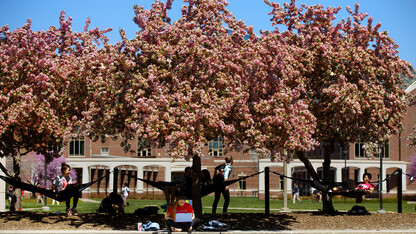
<point>400,156</point>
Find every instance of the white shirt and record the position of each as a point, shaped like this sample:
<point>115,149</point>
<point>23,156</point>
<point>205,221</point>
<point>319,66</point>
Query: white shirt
<point>125,191</point>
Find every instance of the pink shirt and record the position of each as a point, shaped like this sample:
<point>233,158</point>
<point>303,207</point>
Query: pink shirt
<point>365,186</point>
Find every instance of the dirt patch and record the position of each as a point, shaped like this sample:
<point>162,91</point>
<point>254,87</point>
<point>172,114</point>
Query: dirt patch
<point>237,221</point>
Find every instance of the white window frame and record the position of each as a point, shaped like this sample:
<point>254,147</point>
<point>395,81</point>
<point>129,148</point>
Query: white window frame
<point>362,154</point>
<point>143,151</point>
<point>105,151</point>
<point>77,147</point>
<point>215,147</point>
<point>242,184</point>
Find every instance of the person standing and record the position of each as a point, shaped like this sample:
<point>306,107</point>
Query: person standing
<point>60,183</point>
<point>296,193</point>
<point>222,174</point>
<point>126,192</point>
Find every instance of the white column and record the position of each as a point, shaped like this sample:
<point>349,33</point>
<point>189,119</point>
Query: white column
<point>384,182</point>
<point>168,173</point>
<point>139,188</point>
<point>404,177</point>
<point>111,182</point>
<point>338,177</point>
<point>360,174</point>
<point>85,178</point>
<point>2,188</point>
<point>261,179</point>
<point>289,182</point>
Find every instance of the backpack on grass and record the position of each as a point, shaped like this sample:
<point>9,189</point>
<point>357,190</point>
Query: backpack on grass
<point>358,210</point>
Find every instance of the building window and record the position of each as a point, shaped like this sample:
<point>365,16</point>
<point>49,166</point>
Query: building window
<point>143,149</point>
<point>242,184</point>
<point>253,155</point>
<point>385,151</point>
<point>215,147</point>
<point>105,151</point>
<point>359,151</point>
<point>76,147</point>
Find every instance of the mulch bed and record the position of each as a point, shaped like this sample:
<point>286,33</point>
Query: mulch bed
<point>237,221</point>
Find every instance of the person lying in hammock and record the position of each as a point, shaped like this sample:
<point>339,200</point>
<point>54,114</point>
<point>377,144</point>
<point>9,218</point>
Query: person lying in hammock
<point>365,187</point>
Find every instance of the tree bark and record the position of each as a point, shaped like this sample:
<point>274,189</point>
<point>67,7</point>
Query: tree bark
<point>308,165</point>
<point>17,192</point>
<point>328,207</point>
<point>196,186</point>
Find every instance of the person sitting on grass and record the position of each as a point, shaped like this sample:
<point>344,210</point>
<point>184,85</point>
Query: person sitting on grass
<point>180,206</point>
<point>365,186</point>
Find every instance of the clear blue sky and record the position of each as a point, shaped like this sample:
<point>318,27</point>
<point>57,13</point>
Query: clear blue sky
<point>397,17</point>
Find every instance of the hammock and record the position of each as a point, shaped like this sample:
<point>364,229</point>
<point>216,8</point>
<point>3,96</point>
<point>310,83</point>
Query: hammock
<point>347,187</point>
<point>205,189</point>
<point>70,190</point>
<point>315,184</point>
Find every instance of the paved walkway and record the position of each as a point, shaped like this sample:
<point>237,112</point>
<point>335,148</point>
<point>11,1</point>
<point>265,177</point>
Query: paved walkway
<point>232,231</point>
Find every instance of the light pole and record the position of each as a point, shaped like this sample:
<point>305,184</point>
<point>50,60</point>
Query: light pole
<point>346,171</point>
<point>285,209</point>
<point>381,211</point>
<point>45,206</point>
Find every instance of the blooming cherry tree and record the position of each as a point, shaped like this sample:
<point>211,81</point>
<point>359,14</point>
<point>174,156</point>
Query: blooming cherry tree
<point>203,77</point>
<point>42,88</point>
<point>351,74</point>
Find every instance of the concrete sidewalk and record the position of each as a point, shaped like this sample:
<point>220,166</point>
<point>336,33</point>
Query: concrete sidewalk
<point>196,232</point>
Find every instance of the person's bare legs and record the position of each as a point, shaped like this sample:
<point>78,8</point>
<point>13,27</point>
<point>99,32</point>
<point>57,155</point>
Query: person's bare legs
<point>166,192</point>
<point>170,192</point>
<point>174,229</point>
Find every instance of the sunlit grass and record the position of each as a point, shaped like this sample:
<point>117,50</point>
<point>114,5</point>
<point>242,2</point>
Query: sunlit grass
<point>237,205</point>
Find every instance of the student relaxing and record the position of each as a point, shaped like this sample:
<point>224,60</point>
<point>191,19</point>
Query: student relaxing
<point>180,216</point>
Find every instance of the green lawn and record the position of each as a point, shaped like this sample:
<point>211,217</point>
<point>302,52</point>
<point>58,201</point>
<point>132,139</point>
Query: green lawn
<point>237,205</point>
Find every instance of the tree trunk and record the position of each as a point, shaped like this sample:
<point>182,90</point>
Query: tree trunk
<point>308,166</point>
<point>196,186</point>
<point>328,207</point>
<point>16,197</point>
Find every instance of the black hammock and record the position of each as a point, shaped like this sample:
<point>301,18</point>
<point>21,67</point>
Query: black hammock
<point>70,190</point>
<point>347,188</point>
<point>205,189</point>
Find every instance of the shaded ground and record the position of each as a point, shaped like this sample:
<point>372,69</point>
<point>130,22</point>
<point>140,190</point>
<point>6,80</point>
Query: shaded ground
<point>246,221</point>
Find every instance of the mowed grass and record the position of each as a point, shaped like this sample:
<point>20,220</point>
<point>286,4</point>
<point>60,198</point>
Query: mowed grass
<point>237,205</point>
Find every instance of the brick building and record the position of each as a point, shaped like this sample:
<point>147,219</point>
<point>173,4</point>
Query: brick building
<point>94,159</point>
